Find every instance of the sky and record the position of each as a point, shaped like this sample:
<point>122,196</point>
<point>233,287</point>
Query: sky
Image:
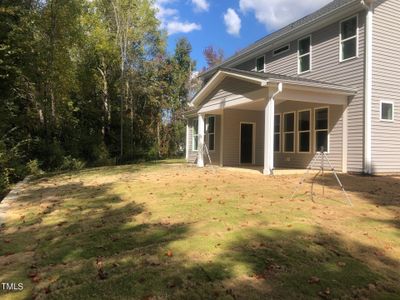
<point>228,24</point>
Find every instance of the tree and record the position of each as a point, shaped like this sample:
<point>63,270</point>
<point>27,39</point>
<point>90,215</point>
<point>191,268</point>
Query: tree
<point>213,56</point>
<point>87,81</point>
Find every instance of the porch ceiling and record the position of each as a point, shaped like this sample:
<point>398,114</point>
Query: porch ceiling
<point>294,89</point>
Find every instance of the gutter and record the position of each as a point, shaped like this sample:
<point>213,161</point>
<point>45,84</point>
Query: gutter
<point>369,6</point>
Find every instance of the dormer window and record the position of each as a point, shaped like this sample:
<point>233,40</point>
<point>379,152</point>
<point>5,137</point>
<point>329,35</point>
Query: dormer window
<point>349,38</point>
<point>260,64</point>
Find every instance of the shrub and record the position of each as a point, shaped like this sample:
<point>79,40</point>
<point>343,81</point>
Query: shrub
<point>33,168</point>
<point>4,180</point>
<point>72,164</point>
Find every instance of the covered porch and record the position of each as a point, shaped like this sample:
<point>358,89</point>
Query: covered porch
<point>267,121</point>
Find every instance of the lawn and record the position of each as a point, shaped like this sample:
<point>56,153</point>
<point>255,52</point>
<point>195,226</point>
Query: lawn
<point>172,231</point>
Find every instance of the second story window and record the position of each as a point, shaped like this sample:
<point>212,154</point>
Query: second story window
<point>305,55</point>
<point>260,62</point>
<point>348,38</point>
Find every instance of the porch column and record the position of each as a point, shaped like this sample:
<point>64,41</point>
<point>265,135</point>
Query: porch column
<point>200,149</point>
<point>269,135</point>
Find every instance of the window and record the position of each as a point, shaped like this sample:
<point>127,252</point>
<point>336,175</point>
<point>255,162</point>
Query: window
<point>195,135</point>
<point>211,133</point>
<point>348,38</point>
<point>288,129</point>
<point>304,131</point>
<point>304,54</point>
<point>281,50</point>
<point>321,129</point>
<point>277,133</point>
<point>387,112</point>
<point>260,64</point>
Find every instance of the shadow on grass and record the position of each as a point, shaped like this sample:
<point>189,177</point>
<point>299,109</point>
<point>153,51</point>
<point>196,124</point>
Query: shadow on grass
<point>275,265</point>
<point>88,243</point>
<point>379,190</point>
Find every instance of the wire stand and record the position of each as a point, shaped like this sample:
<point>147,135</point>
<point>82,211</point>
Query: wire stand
<point>321,172</point>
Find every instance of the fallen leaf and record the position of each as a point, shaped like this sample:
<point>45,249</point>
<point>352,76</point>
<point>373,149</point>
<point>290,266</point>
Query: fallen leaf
<point>169,253</point>
<point>314,280</point>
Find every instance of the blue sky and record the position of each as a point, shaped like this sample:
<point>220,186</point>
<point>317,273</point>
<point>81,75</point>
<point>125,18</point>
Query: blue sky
<point>227,24</point>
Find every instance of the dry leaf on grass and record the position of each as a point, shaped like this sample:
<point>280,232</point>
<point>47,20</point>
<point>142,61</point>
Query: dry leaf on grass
<point>314,280</point>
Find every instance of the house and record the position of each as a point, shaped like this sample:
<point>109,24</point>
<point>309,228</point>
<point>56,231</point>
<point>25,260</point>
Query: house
<point>330,81</point>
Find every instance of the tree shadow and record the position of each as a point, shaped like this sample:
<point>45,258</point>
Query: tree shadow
<point>70,230</point>
<point>379,190</point>
<point>93,244</point>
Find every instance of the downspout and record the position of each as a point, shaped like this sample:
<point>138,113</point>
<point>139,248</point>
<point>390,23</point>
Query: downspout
<point>369,6</point>
<point>269,129</point>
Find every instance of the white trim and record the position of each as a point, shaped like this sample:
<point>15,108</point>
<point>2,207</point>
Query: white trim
<point>344,139</point>
<point>303,55</point>
<point>253,154</point>
<point>316,130</point>
<point>195,135</point>
<point>304,131</point>
<point>279,48</point>
<point>357,37</point>
<point>289,132</point>
<point>380,111</point>
<point>265,59</point>
<point>367,164</point>
<point>299,85</point>
<point>280,132</point>
<point>208,134</point>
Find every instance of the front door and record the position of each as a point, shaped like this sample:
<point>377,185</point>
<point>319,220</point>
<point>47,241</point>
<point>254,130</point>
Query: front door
<point>246,143</point>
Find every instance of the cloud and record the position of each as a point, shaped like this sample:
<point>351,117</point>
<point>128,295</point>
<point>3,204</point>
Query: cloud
<point>233,22</point>
<point>201,5</point>
<point>181,27</point>
<point>275,14</point>
<point>170,20</point>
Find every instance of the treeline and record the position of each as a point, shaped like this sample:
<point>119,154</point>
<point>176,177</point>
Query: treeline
<point>87,83</point>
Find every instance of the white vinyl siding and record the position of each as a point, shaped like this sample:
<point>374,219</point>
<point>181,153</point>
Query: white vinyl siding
<point>386,83</point>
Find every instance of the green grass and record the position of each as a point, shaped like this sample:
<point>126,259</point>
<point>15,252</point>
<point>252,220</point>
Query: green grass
<point>171,231</point>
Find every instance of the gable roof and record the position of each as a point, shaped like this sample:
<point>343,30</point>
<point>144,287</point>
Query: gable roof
<point>336,6</point>
<point>263,79</point>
